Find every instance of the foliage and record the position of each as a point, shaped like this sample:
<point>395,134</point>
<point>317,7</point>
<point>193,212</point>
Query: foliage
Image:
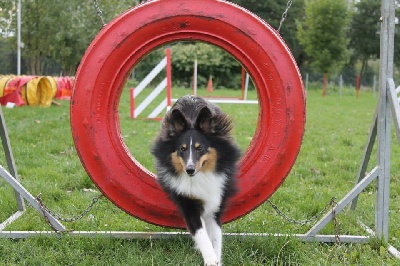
<point>364,29</point>
<point>60,31</point>
<point>364,32</point>
<point>56,33</point>
<point>68,43</point>
<point>6,58</point>
<point>35,34</point>
<point>7,16</point>
<point>211,61</point>
<point>397,41</point>
<point>323,34</point>
<point>271,11</point>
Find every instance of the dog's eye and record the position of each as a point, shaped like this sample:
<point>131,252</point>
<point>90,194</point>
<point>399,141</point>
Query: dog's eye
<point>183,148</point>
<point>199,148</point>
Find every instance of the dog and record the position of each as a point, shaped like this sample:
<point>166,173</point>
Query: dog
<point>196,165</point>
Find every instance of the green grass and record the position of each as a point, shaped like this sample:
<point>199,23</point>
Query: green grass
<point>336,133</point>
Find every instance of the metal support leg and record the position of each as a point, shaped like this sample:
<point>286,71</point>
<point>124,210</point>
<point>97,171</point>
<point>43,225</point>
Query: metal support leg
<point>366,157</point>
<point>20,192</point>
<point>32,201</point>
<point>344,202</point>
<point>395,106</point>
<point>10,158</point>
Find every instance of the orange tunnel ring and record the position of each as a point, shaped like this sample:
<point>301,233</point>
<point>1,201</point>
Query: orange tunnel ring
<point>125,41</point>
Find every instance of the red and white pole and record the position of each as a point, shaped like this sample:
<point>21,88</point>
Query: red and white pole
<point>169,78</point>
<point>132,97</point>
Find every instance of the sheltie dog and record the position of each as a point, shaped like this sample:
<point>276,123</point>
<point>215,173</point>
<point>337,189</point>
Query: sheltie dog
<point>196,164</point>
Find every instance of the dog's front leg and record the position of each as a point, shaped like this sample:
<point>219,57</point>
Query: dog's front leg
<point>215,234</point>
<point>192,212</point>
<point>203,243</point>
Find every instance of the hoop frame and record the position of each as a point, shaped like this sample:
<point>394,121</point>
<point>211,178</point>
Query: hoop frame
<point>125,41</point>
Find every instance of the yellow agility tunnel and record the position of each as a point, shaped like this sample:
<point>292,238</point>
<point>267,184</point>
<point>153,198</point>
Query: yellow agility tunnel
<point>26,90</point>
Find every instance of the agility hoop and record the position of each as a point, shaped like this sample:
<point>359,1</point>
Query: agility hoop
<point>125,41</point>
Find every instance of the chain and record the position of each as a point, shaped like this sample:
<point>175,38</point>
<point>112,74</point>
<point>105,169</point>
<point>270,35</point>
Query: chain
<point>45,215</point>
<point>99,12</point>
<point>332,204</point>
<point>46,210</point>
<point>301,222</point>
<point>284,14</point>
<point>335,221</point>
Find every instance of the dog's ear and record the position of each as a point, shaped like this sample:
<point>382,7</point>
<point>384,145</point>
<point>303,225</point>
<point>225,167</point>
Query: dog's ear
<point>176,123</point>
<point>204,121</point>
<point>216,123</point>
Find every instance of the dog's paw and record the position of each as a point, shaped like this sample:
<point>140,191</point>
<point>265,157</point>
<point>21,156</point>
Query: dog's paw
<point>212,261</point>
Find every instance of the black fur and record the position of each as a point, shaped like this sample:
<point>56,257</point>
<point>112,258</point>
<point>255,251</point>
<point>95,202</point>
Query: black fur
<point>200,119</point>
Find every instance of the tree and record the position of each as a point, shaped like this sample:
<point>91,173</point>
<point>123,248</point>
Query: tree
<point>36,32</point>
<point>7,16</point>
<point>60,31</point>
<point>323,35</point>
<point>397,38</point>
<point>79,26</point>
<point>271,11</point>
<point>364,32</point>
<point>211,60</point>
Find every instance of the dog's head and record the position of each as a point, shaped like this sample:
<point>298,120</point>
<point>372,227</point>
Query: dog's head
<point>193,154</point>
<point>191,112</point>
<point>188,130</point>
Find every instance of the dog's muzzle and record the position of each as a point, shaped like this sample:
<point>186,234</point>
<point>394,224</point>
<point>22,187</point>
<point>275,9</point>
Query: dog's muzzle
<point>190,171</point>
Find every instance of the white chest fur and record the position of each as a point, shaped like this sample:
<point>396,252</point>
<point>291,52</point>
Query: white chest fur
<point>207,187</point>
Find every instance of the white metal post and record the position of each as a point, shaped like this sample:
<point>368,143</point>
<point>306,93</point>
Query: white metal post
<point>384,119</point>
<point>195,77</point>
<point>307,82</point>
<point>19,38</point>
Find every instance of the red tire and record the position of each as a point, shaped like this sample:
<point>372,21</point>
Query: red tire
<point>128,38</point>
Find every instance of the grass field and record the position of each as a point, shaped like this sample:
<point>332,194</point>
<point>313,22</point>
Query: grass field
<point>336,133</point>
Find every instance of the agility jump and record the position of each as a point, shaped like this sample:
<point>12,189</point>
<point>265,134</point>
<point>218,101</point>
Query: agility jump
<point>137,108</point>
<point>165,83</point>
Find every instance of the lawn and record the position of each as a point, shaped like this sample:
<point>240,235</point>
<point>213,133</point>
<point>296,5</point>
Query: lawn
<point>336,133</point>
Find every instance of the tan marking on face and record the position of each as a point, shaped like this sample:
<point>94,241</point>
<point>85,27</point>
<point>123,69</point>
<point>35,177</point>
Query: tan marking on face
<point>197,145</point>
<point>184,146</point>
<point>208,161</point>
<point>202,163</point>
<point>177,162</point>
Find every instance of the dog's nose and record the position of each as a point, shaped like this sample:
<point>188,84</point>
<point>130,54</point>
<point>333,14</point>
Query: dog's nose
<point>190,170</point>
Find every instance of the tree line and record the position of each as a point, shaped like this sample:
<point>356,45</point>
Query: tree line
<point>324,36</point>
